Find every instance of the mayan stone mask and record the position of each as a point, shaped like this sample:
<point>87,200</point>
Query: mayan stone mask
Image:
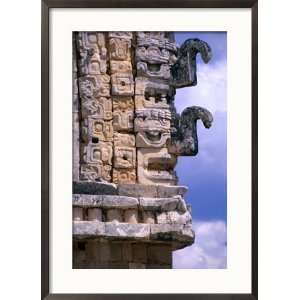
<point>129,131</point>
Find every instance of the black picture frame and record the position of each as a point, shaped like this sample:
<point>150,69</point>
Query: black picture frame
<point>46,6</point>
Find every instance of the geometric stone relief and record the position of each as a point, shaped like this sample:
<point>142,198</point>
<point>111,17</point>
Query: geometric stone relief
<point>119,49</point>
<point>94,86</point>
<point>95,130</point>
<point>97,153</point>
<point>123,113</point>
<point>148,39</point>
<point>130,133</point>
<point>124,176</point>
<point>150,94</point>
<point>154,55</point>
<point>149,139</point>
<point>124,139</point>
<point>91,64</point>
<point>159,71</point>
<point>124,157</point>
<point>152,127</point>
<point>120,34</point>
<point>152,120</point>
<point>91,40</point>
<point>101,107</point>
<point>156,166</point>
<point>120,67</point>
<point>122,85</point>
<point>95,172</point>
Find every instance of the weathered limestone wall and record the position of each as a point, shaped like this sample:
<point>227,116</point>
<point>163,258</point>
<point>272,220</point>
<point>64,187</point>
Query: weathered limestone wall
<point>94,254</point>
<point>128,211</point>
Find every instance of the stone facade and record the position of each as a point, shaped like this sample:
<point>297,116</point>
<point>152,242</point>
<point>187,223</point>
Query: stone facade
<point>128,211</point>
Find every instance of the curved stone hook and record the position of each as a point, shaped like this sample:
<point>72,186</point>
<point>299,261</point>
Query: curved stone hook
<point>184,140</point>
<point>184,71</point>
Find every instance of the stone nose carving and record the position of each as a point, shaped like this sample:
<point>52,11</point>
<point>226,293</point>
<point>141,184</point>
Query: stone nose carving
<point>184,70</point>
<point>184,140</point>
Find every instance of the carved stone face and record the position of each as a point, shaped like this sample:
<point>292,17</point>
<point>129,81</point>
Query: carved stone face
<point>130,131</point>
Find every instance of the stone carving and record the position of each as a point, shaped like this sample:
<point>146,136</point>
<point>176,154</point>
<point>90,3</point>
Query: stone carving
<point>184,139</point>
<point>120,67</point>
<point>124,176</point>
<point>152,127</point>
<point>124,157</point>
<point>155,55</point>
<point>123,113</point>
<point>90,40</point>
<point>120,34</point>
<point>156,166</point>
<point>156,42</point>
<point>92,53</point>
<point>119,49</point>
<point>127,205</point>
<point>99,153</point>
<point>154,119</point>
<point>151,34</point>
<point>95,130</point>
<point>159,71</point>
<point>124,139</point>
<point>75,115</point>
<point>122,85</point>
<point>184,70</point>
<point>94,86</point>
<point>152,138</point>
<point>95,172</point>
<point>102,107</point>
<point>151,94</point>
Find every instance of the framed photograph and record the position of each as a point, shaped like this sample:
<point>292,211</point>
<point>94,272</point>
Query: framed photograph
<point>149,149</point>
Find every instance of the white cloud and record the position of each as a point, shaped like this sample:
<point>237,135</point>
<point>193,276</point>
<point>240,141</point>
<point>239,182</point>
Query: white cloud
<point>210,91</point>
<point>209,250</point>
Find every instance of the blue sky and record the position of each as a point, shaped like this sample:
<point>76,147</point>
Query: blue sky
<point>206,174</point>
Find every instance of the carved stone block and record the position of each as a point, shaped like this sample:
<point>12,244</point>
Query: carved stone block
<point>91,63</point>
<point>156,71</point>
<point>94,86</point>
<point>124,157</point>
<point>119,49</point>
<point>151,34</point>
<point>150,94</point>
<point>100,107</point>
<point>122,85</point>
<point>151,139</point>
<point>156,166</point>
<point>184,71</point>
<point>95,172</point>
<point>152,127</point>
<point>123,114</point>
<point>124,139</point>
<point>97,130</point>
<point>120,34</point>
<point>124,176</point>
<point>152,120</point>
<point>97,153</point>
<point>157,41</point>
<point>154,55</point>
<point>120,67</point>
<point>91,40</point>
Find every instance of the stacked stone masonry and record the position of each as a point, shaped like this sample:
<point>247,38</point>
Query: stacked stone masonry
<point>128,211</point>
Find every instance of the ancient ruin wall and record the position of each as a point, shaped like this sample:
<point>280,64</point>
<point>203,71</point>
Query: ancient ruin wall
<point>127,210</point>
